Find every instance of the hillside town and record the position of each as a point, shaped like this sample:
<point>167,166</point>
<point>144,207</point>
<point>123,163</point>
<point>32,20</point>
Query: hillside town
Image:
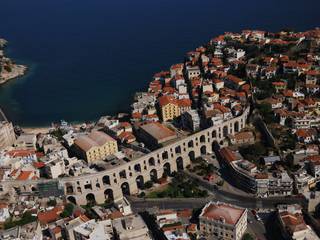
<point>224,145</point>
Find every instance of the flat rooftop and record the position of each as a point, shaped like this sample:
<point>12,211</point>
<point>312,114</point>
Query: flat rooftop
<point>222,212</point>
<point>158,131</point>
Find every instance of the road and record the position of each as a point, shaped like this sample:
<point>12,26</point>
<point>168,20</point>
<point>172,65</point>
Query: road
<point>255,227</point>
<point>245,201</point>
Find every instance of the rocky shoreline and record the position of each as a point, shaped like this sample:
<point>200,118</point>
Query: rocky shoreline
<point>8,69</point>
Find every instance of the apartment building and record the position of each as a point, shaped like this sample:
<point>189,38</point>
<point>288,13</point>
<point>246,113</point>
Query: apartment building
<point>223,221</point>
<point>95,146</point>
<point>7,135</point>
<point>169,108</point>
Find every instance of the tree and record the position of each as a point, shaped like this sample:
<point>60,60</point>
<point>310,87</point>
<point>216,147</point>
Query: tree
<point>52,203</point>
<point>247,236</point>
<point>142,195</point>
<point>265,110</point>
<point>27,217</point>
<point>68,210</point>
<point>148,184</point>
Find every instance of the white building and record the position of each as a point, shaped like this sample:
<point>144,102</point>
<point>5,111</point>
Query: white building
<point>191,120</point>
<point>193,71</point>
<point>26,141</point>
<point>223,221</point>
<point>131,227</point>
<point>7,135</point>
<point>93,230</point>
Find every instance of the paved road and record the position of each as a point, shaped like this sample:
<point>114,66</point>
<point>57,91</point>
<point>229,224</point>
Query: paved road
<point>167,203</point>
<point>256,227</point>
<point>245,201</point>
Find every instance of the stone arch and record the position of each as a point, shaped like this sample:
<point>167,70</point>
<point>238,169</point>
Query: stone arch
<point>179,162</point>
<point>91,199</point>
<point>137,167</point>
<point>140,182</point>
<point>165,155</point>
<point>167,169</point>
<point>192,155</point>
<point>154,175</point>
<point>225,131</point>
<point>106,180</point>
<point>190,144</point>
<point>123,174</point>
<point>152,162</point>
<point>214,134</point>
<point>236,126</point>
<point>69,188</point>
<point>178,149</point>
<point>203,149</point>
<point>108,195</point>
<point>125,188</point>
<point>72,199</point>
<point>203,139</point>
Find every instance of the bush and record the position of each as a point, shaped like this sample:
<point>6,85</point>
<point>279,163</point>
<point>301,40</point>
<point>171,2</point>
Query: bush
<point>52,203</point>
<point>247,236</point>
<point>26,218</point>
<point>148,184</point>
<point>68,210</point>
<point>142,195</point>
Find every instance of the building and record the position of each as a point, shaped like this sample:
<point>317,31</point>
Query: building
<point>246,137</point>
<point>26,141</point>
<point>153,134</point>
<point>55,168</point>
<point>223,221</point>
<point>96,146</point>
<point>193,71</point>
<point>249,178</point>
<point>191,120</point>
<point>7,135</point>
<point>92,230</point>
<point>69,226</point>
<point>293,226</point>
<point>131,228</point>
<point>234,82</point>
<point>169,108</point>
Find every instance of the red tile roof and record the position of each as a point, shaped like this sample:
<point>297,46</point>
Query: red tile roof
<point>222,212</point>
<point>50,216</point>
<point>165,100</point>
<point>24,175</point>
<point>228,154</point>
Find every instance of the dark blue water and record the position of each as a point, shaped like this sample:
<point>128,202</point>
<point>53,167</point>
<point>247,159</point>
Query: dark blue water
<point>88,57</point>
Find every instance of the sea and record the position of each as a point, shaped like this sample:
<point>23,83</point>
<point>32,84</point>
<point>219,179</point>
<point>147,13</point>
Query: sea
<point>87,58</point>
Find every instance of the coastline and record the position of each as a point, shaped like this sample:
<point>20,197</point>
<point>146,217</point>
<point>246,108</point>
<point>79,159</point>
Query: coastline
<point>10,70</point>
<point>36,130</point>
<point>16,72</point>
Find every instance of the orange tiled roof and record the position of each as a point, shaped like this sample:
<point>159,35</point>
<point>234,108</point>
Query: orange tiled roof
<point>50,216</point>
<point>165,100</point>
<point>24,175</point>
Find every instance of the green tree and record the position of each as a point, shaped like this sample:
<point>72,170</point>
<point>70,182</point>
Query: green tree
<point>247,236</point>
<point>68,210</point>
<point>26,218</point>
<point>148,184</point>
<point>52,203</point>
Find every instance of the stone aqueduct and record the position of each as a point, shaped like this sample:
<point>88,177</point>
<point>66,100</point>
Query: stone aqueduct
<point>127,178</point>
